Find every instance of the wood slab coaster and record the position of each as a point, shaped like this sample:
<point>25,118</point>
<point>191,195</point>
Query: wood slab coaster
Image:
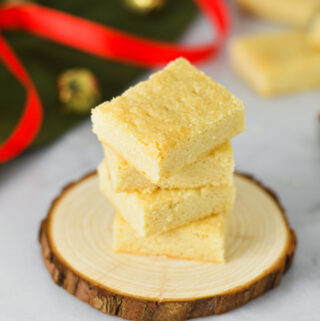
<point>76,239</point>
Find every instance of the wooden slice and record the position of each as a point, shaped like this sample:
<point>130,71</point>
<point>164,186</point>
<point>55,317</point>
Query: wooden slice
<point>76,240</point>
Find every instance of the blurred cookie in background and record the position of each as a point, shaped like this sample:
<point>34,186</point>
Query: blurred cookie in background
<point>293,12</point>
<point>277,62</point>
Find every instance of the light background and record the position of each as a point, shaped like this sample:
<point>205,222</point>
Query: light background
<point>280,147</point>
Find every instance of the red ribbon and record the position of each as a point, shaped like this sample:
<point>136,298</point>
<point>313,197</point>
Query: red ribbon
<point>95,39</point>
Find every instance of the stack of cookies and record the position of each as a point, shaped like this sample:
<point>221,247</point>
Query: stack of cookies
<point>168,167</point>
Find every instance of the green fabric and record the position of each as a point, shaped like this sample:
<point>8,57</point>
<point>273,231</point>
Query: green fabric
<point>45,60</point>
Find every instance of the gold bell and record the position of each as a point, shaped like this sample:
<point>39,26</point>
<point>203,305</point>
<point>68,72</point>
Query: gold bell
<point>78,91</point>
<point>145,6</point>
<point>15,2</point>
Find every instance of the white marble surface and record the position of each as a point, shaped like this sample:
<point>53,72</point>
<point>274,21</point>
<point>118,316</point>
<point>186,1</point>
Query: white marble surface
<point>279,147</point>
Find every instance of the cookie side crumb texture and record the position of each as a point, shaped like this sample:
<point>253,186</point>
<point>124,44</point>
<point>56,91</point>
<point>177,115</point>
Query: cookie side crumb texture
<point>313,32</point>
<point>163,210</point>
<point>124,177</point>
<point>215,169</point>
<point>203,240</point>
<point>174,118</point>
<point>277,62</point>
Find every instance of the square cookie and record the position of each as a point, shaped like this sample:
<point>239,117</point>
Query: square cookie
<point>203,240</point>
<point>163,210</point>
<point>293,12</point>
<point>215,169</point>
<point>277,62</point>
<point>173,119</point>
